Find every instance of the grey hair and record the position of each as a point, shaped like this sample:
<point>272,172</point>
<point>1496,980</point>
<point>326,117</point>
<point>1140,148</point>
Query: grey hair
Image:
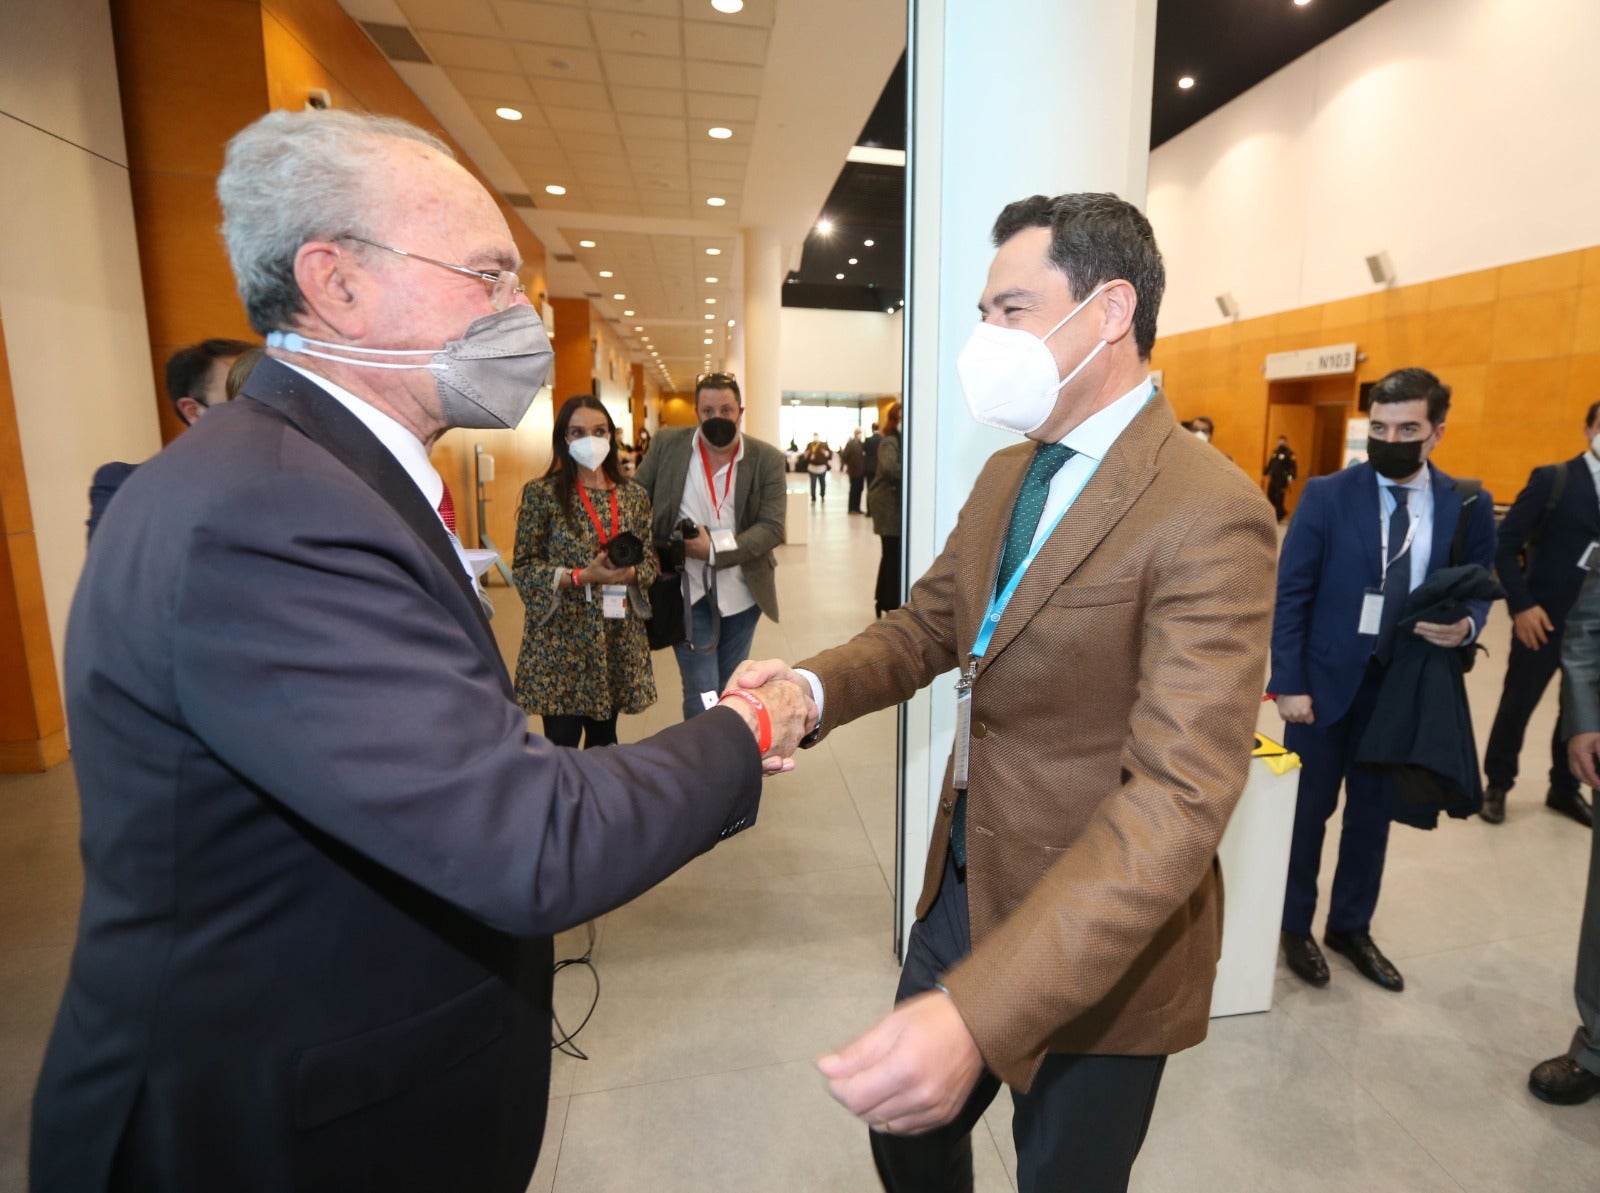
<point>294,177</point>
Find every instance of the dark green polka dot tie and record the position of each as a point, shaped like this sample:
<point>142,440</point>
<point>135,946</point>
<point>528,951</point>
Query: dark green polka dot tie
<point>1047,461</point>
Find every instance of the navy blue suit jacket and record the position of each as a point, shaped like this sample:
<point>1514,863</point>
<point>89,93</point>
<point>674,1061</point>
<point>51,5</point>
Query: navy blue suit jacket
<point>323,855</point>
<point>1331,556</point>
<point>1553,579</point>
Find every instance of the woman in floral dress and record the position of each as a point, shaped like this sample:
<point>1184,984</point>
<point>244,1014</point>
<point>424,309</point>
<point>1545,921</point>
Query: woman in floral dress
<point>584,655</point>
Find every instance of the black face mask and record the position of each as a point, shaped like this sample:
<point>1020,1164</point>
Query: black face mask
<point>1395,461</point>
<point>719,432</point>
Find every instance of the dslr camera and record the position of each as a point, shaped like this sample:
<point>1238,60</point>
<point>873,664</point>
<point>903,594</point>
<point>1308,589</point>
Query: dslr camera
<point>671,552</point>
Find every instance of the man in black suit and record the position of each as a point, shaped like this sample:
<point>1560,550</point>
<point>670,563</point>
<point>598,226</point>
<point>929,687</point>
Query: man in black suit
<point>1552,523</point>
<point>323,854</point>
<point>869,459</point>
<point>197,378</point>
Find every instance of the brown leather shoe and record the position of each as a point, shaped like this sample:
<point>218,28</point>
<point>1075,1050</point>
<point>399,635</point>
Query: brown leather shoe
<point>1304,958</point>
<point>1366,957</point>
<point>1562,1081</point>
<point>1570,803</point>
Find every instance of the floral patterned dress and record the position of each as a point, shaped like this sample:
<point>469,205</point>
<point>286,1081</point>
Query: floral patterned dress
<point>574,661</point>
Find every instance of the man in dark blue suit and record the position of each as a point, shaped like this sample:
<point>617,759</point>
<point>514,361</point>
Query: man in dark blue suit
<point>1359,542</point>
<point>1552,523</point>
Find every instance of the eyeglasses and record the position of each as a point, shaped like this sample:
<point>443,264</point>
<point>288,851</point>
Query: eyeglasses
<point>503,285</point>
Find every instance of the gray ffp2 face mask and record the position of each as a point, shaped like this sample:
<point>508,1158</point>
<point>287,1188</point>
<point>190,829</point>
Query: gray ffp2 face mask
<point>487,379</point>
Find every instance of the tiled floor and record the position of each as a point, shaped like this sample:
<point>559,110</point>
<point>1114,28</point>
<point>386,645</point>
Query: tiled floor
<point>719,987</point>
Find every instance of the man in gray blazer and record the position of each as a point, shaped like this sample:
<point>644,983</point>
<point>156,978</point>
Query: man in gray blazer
<point>1574,1076</point>
<point>323,855</point>
<point>731,486</point>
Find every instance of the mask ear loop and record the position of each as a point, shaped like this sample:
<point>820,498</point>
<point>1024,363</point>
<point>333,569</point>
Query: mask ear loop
<point>1074,311</point>
<point>293,341</point>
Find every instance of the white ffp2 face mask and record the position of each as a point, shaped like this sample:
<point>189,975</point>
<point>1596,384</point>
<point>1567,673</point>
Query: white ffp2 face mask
<point>589,452</point>
<point>1009,377</point>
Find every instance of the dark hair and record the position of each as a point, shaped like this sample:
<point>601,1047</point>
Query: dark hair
<point>562,467</point>
<point>1202,422</point>
<point>1410,385</point>
<point>1096,238</point>
<point>187,367</point>
<point>718,381</point>
<point>1588,419</point>
<point>892,418</point>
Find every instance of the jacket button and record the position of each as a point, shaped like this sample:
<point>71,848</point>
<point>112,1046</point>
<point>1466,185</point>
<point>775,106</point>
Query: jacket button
<point>980,730</point>
<point>947,805</point>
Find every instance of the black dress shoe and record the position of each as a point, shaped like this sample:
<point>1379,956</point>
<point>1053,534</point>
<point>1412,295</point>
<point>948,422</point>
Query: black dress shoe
<point>1570,803</point>
<point>1374,966</point>
<point>1494,805</point>
<point>1305,958</point>
<point>1563,1082</point>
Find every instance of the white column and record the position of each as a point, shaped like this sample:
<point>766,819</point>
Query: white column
<point>763,311</point>
<point>1007,101</point>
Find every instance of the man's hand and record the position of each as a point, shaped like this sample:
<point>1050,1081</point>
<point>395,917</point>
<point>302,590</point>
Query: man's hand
<point>1532,626</point>
<point>792,715</point>
<point>1440,634</point>
<point>699,547</point>
<point>910,1073</point>
<point>1295,709</point>
<point>1583,756</point>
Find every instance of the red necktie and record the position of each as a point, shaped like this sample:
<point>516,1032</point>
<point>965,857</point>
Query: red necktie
<point>447,508</point>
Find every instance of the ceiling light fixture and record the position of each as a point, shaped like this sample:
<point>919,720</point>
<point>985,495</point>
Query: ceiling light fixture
<point>705,341</point>
<point>586,244</point>
<point>1186,82</point>
<point>710,316</point>
<point>606,273</point>
<point>713,252</point>
<point>553,189</point>
<point>716,201</point>
<point>719,134</point>
<point>627,314</point>
<point>867,243</point>
<point>639,327</point>
<point>838,277</point>
<point>619,297</point>
<point>711,302</point>
<point>852,260</point>
<point>508,113</point>
<point>1297,3</point>
<point>824,227</point>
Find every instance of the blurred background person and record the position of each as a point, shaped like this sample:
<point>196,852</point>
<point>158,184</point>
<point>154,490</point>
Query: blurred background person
<point>818,456</point>
<point>239,372</point>
<point>883,503</point>
<point>1280,472</point>
<point>853,459</point>
<point>584,656</point>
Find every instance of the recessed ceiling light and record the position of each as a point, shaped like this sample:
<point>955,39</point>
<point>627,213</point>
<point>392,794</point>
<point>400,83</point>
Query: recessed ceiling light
<point>705,341</point>
<point>728,6</point>
<point>619,297</point>
<point>1297,3</point>
<point>711,302</point>
<point>730,322</point>
<point>710,316</point>
<point>713,252</point>
<point>1186,82</point>
<point>508,113</point>
<point>628,314</point>
<point>606,273</point>
<point>716,201</point>
<point>719,134</point>
<point>838,277</point>
<point>639,327</point>
<point>711,281</point>
<point>852,260</point>
<point>553,189</point>
<point>586,244</point>
<point>824,227</point>
<point>867,243</point>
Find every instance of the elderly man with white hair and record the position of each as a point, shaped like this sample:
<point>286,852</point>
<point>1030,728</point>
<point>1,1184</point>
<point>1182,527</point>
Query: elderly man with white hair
<point>324,857</point>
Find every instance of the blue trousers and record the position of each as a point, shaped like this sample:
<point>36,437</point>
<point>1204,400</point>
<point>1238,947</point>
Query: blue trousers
<point>1327,756</point>
<point>710,671</point>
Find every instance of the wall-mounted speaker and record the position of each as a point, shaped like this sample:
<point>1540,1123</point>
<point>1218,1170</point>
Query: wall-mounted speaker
<point>1381,268</point>
<point>1228,305</point>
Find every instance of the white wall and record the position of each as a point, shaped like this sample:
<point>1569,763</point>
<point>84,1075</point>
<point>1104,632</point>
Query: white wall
<point>1456,134</point>
<point>70,288</point>
<point>840,351</point>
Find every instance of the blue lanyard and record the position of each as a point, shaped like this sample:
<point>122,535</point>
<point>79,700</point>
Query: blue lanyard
<point>998,602</point>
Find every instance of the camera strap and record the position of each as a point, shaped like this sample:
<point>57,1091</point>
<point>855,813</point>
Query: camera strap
<point>708,577</point>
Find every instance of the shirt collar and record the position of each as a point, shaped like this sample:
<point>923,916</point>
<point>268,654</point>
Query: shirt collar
<point>1416,484</point>
<point>1094,436</point>
<point>405,447</point>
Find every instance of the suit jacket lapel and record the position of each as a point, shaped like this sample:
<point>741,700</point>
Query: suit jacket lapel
<point>987,514</point>
<point>1580,482</point>
<point>1124,474</point>
<point>1447,507</point>
<point>744,486</point>
<point>321,418</point>
<point>1368,513</point>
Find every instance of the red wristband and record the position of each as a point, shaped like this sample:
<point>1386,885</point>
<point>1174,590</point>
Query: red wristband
<point>763,717</point>
<point>576,581</point>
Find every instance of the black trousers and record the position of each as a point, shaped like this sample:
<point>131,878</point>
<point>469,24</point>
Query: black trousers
<point>886,595</point>
<point>567,731</point>
<point>857,485</point>
<point>1079,1126</point>
<point>819,481</point>
<point>1528,673</point>
<point>1275,494</point>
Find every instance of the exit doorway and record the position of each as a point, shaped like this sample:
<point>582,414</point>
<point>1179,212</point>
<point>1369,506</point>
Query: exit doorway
<point>1311,414</point>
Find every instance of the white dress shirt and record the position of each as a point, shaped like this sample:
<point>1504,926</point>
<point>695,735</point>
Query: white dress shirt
<point>733,594</point>
<point>1419,506</point>
<point>405,447</point>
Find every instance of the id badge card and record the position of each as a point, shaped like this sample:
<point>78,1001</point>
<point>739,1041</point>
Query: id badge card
<point>614,601</point>
<point>963,737</point>
<point>724,540</point>
<point>1589,561</point>
<point>1371,611</point>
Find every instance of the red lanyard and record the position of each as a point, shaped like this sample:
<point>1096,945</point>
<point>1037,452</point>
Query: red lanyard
<point>711,485</point>
<point>599,530</point>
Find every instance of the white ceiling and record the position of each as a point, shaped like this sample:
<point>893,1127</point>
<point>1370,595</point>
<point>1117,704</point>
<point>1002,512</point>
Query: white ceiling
<point>617,97</point>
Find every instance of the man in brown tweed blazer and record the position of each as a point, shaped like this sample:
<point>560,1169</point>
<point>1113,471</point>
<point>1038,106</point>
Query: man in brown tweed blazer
<point>1111,710</point>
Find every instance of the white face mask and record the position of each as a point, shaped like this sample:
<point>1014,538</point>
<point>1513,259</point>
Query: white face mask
<point>1009,376</point>
<point>589,452</point>
<point>1594,445</point>
<point>1203,436</point>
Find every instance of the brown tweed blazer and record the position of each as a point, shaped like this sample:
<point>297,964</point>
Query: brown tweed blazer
<point>1112,729</point>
